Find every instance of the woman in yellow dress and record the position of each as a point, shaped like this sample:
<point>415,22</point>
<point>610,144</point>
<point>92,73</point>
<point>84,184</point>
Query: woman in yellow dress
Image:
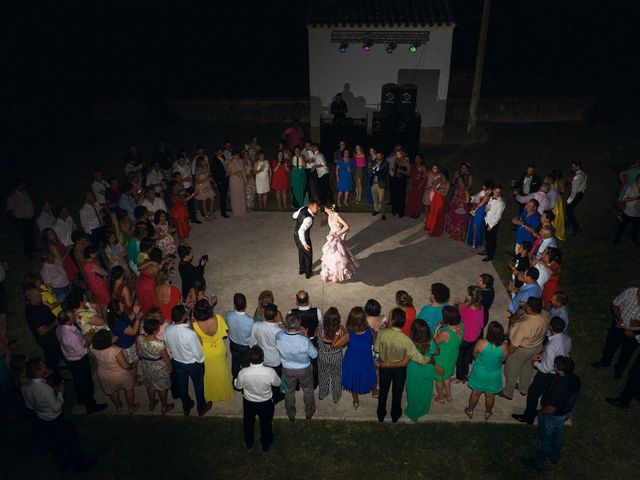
<point>558,209</point>
<point>212,330</point>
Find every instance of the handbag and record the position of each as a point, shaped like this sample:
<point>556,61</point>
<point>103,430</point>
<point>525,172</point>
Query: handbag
<point>438,370</point>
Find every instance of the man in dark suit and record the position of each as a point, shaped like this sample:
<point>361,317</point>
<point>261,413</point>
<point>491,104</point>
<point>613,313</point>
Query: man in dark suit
<point>529,183</point>
<point>219,171</point>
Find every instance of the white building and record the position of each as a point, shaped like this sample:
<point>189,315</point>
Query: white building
<point>338,31</point>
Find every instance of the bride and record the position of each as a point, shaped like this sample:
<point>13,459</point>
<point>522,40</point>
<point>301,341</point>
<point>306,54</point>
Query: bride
<point>338,263</point>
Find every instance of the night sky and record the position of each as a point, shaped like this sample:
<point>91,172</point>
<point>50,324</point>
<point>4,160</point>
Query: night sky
<point>72,52</point>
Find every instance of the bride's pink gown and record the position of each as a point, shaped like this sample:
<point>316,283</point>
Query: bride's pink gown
<point>338,263</point>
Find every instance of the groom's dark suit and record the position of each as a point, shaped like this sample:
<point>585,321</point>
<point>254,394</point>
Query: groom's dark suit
<point>304,221</point>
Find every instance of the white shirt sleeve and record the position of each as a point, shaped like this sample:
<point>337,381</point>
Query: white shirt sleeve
<point>84,219</point>
<point>306,224</point>
<point>578,184</point>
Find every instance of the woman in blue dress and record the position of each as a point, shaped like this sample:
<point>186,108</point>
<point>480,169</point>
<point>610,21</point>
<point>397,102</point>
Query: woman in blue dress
<point>475,234</point>
<point>358,369</point>
<point>344,177</point>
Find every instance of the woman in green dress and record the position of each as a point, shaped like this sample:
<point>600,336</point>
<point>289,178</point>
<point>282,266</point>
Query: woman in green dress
<point>486,374</point>
<point>448,336</point>
<point>298,178</point>
<point>420,377</point>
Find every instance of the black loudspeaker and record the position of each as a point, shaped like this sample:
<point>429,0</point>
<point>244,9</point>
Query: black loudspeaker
<point>407,132</point>
<point>383,132</point>
<point>407,100</point>
<point>389,98</point>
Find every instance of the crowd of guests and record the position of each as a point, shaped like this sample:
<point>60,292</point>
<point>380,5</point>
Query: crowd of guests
<point>103,299</point>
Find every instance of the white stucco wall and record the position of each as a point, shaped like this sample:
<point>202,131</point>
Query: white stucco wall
<point>330,70</point>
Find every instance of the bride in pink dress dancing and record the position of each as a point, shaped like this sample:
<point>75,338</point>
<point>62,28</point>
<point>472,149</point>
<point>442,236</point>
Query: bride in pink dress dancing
<point>338,263</point>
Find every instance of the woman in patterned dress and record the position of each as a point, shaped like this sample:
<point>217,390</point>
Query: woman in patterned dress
<point>155,365</point>
<point>164,234</point>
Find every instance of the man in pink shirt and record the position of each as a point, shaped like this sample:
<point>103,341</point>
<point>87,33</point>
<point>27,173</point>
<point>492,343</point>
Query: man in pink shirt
<point>75,350</point>
<point>541,196</point>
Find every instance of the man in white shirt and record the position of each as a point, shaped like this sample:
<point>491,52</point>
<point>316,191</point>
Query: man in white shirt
<point>547,233</point>
<point>46,218</point>
<point>320,175</point>
<point>91,219</point>
<point>630,212</point>
<point>558,343</point>
<point>155,177</point>
<point>99,187</point>
<point>302,237</point>
<point>187,359</point>
<point>257,382</point>
<point>53,274</point>
<point>64,226</point>
<point>578,187</point>
<point>152,202</point>
<point>200,155</point>
<point>495,209</point>
<point>46,404</point>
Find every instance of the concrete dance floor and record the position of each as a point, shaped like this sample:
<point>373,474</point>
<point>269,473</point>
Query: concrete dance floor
<point>256,252</point>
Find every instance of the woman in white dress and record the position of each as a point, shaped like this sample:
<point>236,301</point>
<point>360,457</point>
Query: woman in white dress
<point>338,263</point>
<point>263,180</point>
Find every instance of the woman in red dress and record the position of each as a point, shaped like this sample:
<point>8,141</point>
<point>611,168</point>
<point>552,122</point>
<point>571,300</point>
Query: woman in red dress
<point>58,250</point>
<point>457,218</point>
<point>416,187</point>
<point>167,295</point>
<point>551,257</point>
<point>96,277</point>
<point>146,284</point>
<point>405,302</point>
<point>179,211</point>
<point>280,179</point>
<point>435,220</point>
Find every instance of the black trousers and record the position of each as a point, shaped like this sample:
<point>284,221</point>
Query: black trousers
<point>393,378</point>
<point>305,258</point>
<point>26,230</point>
<point>616,339</point>
<point>571,212</point>
<point>223,192</point>
<point>312,179</point>
<point>264,411</point>
<point>98,236</point>
<point>632,387</point>
<point>82,381</point>
<point>539,384</point>
<point>52,355</point>
<point>491,240</point>
<point>62,437</point>
<point>325,189</point>
<point>465,356</point>
<point>635,227</point>
<point>239,358</point>
<point>191,205</point>
<point>398,193</point>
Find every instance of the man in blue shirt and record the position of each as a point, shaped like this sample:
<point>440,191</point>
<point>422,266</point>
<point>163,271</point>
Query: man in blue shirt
<point>296,352</point>
<point>240,325</point>
<point>529,289</point>
<point>528,222</point>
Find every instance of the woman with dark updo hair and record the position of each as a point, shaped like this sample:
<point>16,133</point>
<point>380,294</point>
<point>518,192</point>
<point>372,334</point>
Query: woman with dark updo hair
<point>333,338</point>
<point>448,336</point>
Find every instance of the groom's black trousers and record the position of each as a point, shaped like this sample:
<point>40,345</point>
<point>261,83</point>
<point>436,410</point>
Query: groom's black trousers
<point>305,259</point>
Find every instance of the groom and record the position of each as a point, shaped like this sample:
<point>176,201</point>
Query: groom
<point>302,236</point>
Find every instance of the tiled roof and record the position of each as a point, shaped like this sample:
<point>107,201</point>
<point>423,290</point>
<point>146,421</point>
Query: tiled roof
<point>380,13</point>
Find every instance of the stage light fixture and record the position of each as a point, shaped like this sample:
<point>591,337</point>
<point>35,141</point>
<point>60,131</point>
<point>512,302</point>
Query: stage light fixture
<point>366,46</point>
<point>414,47</point>
<point>343,47</point>
<point>391,47</point>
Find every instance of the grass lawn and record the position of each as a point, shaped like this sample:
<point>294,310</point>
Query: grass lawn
<point>600,444</point>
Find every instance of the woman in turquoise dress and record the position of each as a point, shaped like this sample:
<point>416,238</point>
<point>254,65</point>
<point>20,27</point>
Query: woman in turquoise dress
<point>448,336</point>
<point>419,382</point>
<point>486,374</point>
<point>432,313</point>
